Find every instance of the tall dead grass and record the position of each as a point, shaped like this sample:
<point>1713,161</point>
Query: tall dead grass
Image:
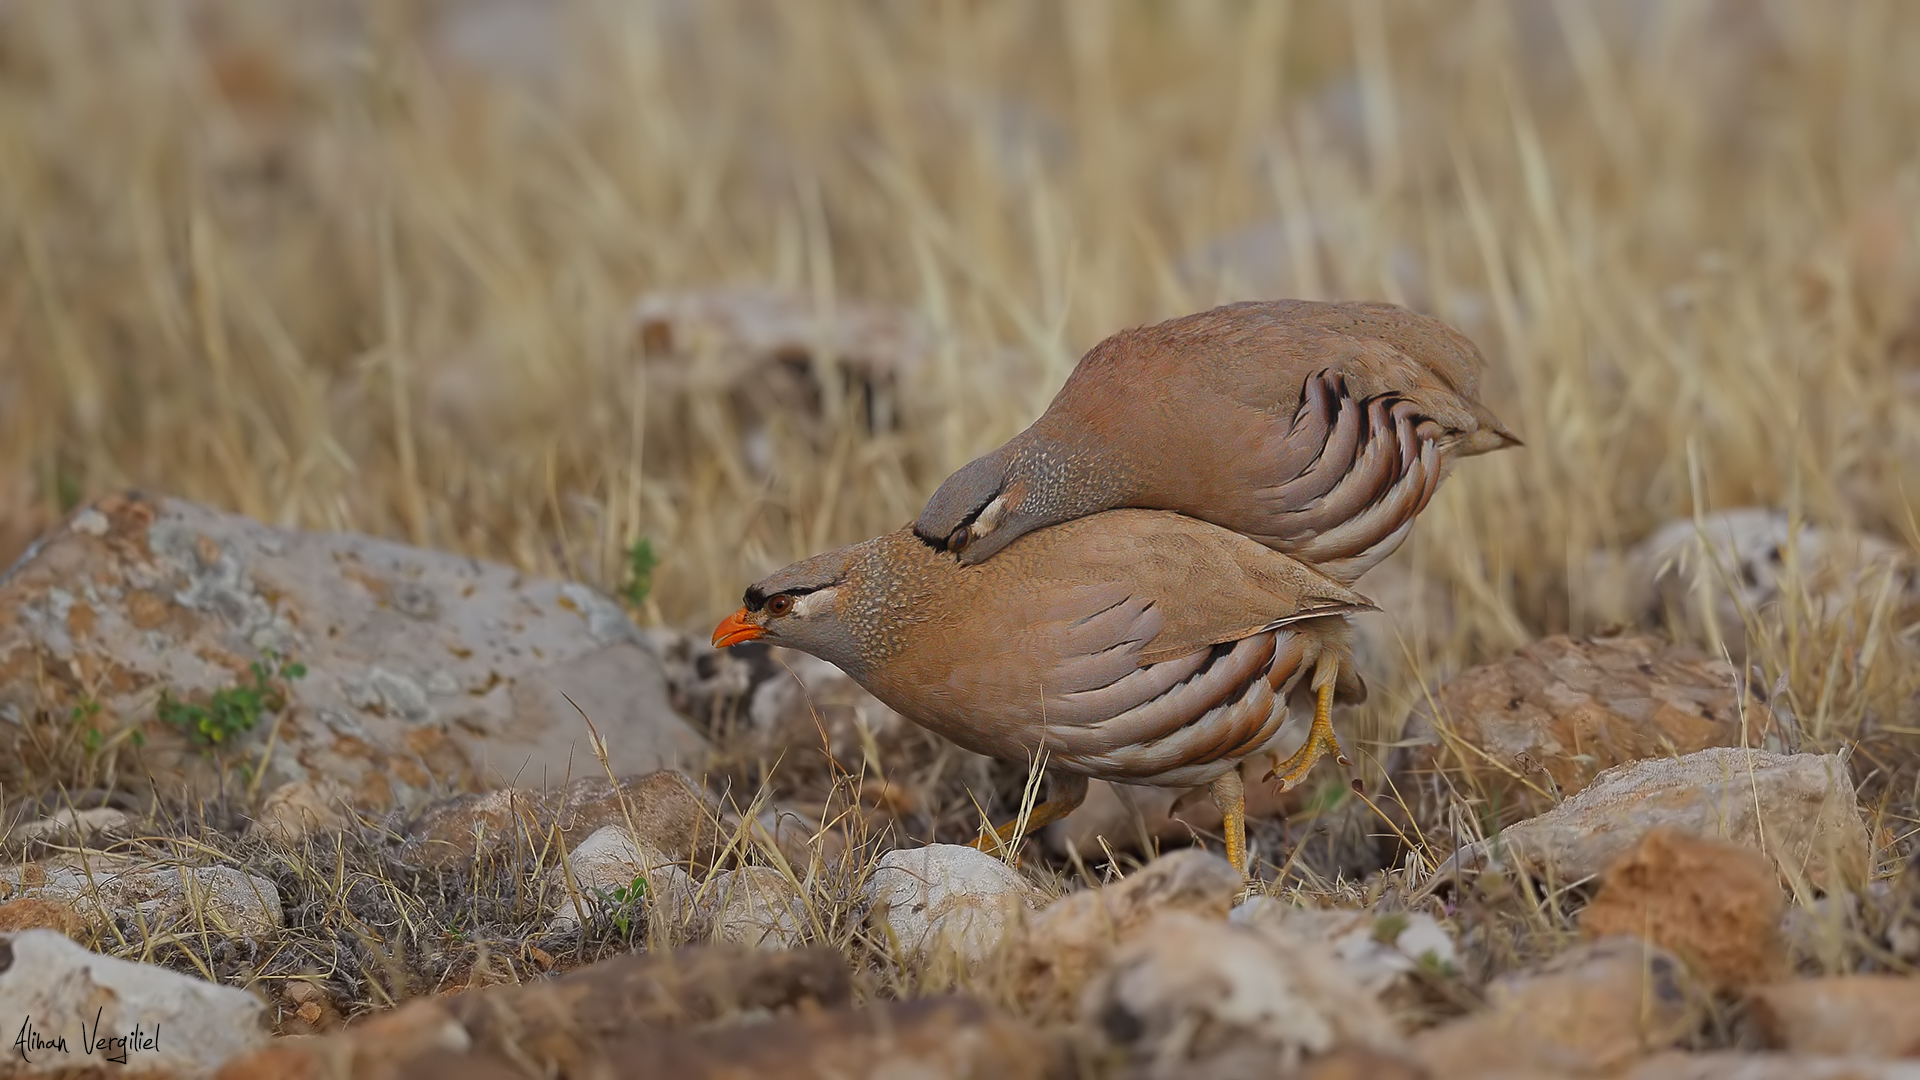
<point>370,265</point>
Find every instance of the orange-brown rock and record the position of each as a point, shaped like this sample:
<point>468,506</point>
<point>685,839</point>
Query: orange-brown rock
<point>35,913</point>
<point>1714,904</point>
<point>1527,730</point>
<point>1589,1011</point>
<point>1864,1015</point>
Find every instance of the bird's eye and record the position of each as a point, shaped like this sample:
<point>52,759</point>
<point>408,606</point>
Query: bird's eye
<point>959,538</point>
<point>780,605</point>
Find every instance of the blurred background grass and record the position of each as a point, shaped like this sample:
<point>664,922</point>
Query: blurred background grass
<point>373,266</point>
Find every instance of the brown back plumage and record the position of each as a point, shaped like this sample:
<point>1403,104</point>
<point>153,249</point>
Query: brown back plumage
<point>1318,429</point>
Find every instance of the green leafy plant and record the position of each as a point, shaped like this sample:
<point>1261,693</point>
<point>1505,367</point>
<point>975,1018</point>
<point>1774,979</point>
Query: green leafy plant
<point>230,713</point>
<point>641,563</point>
<point>622,903</point>
<point>82,716</point>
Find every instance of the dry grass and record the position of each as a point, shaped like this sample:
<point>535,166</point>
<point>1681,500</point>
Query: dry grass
<point>316,263</point>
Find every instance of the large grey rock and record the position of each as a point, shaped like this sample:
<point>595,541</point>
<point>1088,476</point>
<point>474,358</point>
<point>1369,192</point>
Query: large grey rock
<point>425,670</point>
<point>81,1009</point>
<point>1798,809</point>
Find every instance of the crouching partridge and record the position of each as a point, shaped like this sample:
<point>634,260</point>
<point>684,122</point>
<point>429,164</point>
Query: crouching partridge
<point>1318,429</point>
<point>1136,646</point>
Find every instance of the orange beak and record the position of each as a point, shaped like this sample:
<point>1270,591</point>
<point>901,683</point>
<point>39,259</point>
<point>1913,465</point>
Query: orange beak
<point>735,629</point>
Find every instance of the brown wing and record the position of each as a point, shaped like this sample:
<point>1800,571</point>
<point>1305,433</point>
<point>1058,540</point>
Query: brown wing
<point>1370,468</point>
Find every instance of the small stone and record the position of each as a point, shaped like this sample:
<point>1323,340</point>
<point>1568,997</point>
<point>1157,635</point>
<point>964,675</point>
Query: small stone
<point>1869,1015</point>
<point>610,862</point>
<point>1187,994</point>
<point>1597,1007</point>
<point>1716,905</point>
<point>1799,809</point>
<point>758,907</point>
<point>1378,949</point>
<point>945,899</point>
<point>74,826</point>
<point>179,1025</point>
<point>1067,942</point>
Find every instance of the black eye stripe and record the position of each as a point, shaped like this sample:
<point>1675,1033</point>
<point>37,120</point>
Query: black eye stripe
<point>757,600</point>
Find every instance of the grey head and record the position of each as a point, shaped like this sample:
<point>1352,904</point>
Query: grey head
<point>996,499</point>
<point>800,607</point>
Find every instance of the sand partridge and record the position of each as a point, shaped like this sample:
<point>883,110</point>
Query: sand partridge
<point>1317,429</point>
<point>1137,646</point>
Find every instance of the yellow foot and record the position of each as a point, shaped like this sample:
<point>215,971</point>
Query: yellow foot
<point>1231,797</point>
<point>1066,793</point>
<point>1320,741</point>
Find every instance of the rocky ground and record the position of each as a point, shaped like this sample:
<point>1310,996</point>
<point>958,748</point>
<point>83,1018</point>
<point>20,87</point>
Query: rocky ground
<point>321,805</point>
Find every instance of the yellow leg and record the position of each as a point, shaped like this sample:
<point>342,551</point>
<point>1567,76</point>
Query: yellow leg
<point>1064,795</point>
<point>1320,737</point>
<point>1231,797</point>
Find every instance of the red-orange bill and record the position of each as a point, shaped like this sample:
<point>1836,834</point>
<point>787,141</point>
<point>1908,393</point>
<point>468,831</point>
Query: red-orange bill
<point>735,629</point>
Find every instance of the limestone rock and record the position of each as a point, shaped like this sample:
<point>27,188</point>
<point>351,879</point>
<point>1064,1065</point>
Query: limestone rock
<point>1799,809</point>
<point>945,899</point>
<point>1532,728</point>
<point>102,888</point>
<point>423,669</point>
<point>1709,578</point>
<point>1716,905</point>
<point>1875,1016</point>
<point>1070,940</point>
<point>1188,994</point>
<point>1378,949</point>
<point>1593,1009</point>
<point>172,1024</point>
